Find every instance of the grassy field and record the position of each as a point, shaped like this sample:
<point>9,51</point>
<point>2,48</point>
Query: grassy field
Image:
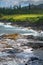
<point>23,17</point>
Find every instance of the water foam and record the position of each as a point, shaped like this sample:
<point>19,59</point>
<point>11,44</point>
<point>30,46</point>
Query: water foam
<point>1,23</point>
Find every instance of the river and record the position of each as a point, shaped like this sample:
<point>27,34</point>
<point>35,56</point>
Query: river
<point>12,56</point>
<point>8,29</point>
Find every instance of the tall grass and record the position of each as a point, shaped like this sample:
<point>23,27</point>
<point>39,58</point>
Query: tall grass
<point>33,18</point>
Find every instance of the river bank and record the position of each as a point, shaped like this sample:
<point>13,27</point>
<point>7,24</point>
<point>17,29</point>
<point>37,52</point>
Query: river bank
<point>24,24</point>
<point>35,21</point>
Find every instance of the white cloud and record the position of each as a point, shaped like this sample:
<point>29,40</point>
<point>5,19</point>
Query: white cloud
<point>16,2</point>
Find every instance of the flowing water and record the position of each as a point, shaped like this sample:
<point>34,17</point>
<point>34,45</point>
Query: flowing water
<point>8,29</point>
<point>21,57</point>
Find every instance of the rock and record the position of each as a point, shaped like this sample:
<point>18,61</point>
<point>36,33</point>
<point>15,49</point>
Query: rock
<point>30,37</point>
<point>34,58</point>
<point>4,64</point>
<point>25,64</point>
<point>11,36</point>
<point>11,51</point>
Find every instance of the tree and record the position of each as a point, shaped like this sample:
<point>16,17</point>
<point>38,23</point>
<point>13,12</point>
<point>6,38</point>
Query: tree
<point>19,6</point>
<point>29,6</point>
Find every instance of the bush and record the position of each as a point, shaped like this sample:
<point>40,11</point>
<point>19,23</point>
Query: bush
<point>39,21</point>
<point>1,15</point>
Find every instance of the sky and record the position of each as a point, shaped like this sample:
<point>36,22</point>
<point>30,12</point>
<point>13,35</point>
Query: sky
<point>8,3</point>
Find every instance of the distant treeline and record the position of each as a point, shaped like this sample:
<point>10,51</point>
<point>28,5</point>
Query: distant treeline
<point>30,9</point>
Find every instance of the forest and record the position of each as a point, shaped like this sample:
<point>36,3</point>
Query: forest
<point>30,9</point>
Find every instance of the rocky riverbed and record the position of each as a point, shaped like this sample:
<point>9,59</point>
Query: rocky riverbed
<point>20,45</point>
<point>16,49</point>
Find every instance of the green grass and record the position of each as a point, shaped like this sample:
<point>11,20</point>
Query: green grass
<point>23,17</point>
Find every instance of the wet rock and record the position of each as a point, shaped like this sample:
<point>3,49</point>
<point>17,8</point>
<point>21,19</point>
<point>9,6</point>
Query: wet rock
<point>25,64</point>
<point>34,58</point>
<point>11,36</point>
<point>13,51</point>
<point>4,64</point>
<point>30,37</point>
<point>33,61</point>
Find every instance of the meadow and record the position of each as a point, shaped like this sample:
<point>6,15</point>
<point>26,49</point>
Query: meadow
<point>33,18</point>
